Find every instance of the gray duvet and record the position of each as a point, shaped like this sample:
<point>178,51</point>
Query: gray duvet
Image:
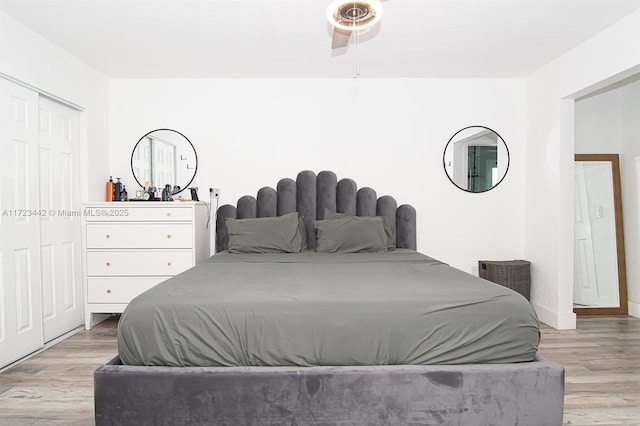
<point>313,309</point>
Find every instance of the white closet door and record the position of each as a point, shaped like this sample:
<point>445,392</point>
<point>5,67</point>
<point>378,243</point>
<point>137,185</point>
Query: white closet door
<point>20,288</point>
<point>60,229</point>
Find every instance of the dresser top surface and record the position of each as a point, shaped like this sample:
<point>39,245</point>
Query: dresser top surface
<point>144,204</point>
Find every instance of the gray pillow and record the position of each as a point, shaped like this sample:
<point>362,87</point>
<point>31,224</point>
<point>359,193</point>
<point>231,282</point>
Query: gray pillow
<point>350,234</point>
<point>303,230</point>
<point>281,234</point>
<point>388,228</point>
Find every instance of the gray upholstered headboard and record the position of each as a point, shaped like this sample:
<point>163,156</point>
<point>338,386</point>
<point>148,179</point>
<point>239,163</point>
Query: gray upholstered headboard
<point>310,195</point>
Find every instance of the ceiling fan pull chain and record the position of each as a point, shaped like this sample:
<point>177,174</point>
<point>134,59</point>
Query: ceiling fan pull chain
<point>356,56</point>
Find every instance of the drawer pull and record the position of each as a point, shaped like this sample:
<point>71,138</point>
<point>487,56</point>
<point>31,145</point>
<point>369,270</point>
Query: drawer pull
<point>168,263</point>
<point>108,236</point>
<point>168,235</point>
<point>108,263</point>
<point>168,214</point>
<point>108,291</point>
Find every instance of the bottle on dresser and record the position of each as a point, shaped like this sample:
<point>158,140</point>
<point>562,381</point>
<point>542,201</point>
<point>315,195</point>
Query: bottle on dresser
<point>110,189</point>
<point>117,190</point>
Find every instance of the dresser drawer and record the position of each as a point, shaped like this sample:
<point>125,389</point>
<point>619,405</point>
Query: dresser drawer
<point>138,263</point>
<point>129,212</point>
<point>120,289</point>
<point>139,235</point>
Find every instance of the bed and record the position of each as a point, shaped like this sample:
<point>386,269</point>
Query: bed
<point>318,309</point>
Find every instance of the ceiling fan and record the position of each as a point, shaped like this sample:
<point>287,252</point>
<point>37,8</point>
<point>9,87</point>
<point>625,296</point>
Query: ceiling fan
<point>348,17</point>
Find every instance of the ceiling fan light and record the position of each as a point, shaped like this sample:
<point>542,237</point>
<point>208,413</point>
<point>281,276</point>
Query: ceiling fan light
<point>337,8</point>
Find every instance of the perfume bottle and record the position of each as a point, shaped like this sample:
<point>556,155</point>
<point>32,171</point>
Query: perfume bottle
<point>153,194</point>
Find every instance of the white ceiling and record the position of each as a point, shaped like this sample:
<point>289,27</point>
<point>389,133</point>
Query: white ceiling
<point>291,38</point>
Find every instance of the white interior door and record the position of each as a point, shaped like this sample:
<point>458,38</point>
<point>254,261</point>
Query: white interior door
<point>60,228</point>
<point>584,288</point>
<point>20,289</point>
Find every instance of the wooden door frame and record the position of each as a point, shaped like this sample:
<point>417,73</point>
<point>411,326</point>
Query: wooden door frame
<point>623,309</point>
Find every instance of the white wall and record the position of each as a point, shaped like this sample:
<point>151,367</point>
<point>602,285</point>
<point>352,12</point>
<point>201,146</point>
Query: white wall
<point>630,176</point>
<point>388,134</point>
<point>598,124</point>
<point>610,56</point>
<point>32,60</point>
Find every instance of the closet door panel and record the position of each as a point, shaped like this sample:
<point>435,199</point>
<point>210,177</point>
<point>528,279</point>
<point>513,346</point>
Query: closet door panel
<point>60,227</point>
<point>21,329</point>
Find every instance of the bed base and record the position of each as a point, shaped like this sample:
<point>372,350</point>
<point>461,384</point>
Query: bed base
<point>499,394</point>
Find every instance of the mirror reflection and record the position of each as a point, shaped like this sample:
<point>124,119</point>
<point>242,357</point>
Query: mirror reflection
<point>164,157</point>
<point>476,159</point>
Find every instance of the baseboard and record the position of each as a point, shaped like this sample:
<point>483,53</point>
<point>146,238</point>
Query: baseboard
<point>634,309</point>
<point>65,336</point>
<point>557,320</point>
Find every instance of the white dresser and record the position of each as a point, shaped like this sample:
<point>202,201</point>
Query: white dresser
<point>132,246</point>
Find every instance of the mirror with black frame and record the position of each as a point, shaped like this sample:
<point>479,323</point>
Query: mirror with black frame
<point>164,157</point>
<point>476,159</point>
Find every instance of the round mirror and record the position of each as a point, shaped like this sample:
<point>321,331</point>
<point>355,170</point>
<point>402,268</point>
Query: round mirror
<point>164,157</point>
<point>476,159</point>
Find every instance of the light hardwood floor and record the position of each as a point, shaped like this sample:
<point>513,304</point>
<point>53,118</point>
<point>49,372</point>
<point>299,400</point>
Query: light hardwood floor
<point>601,358</point>
<point>602,369</point>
